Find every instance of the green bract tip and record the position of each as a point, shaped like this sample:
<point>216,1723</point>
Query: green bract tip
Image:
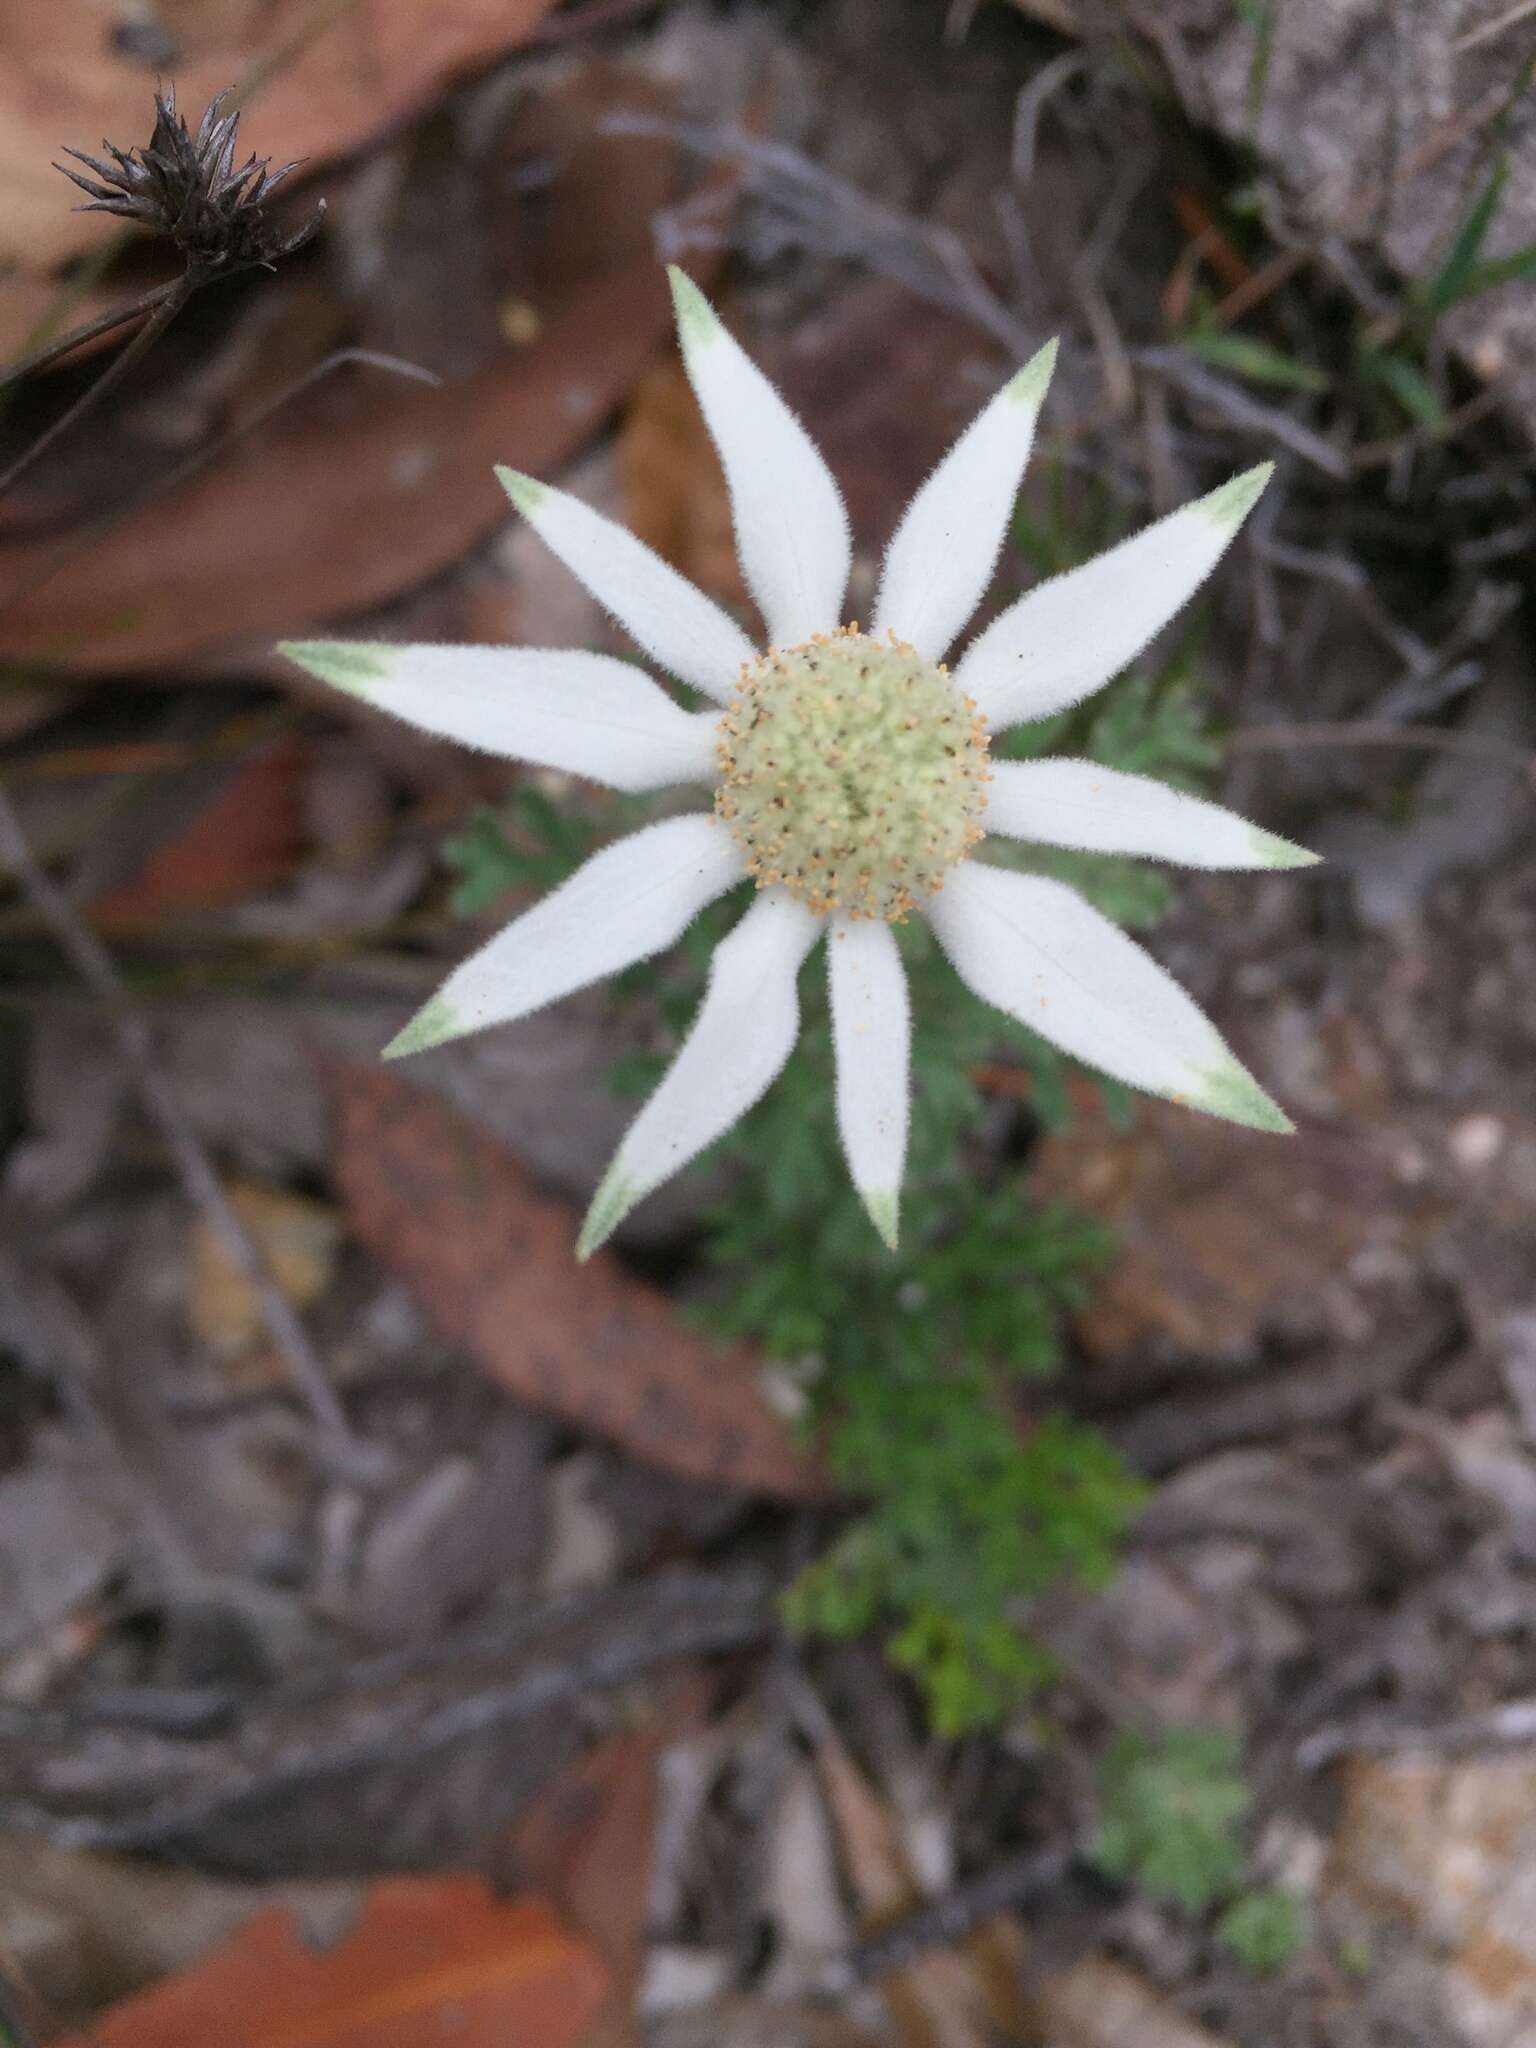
<point>350,665</point>
<point>884,1212</point>
<point>1275,852</point>
<point>614,1199</point>
<point>1230,1091</point>
<point>431,1025</point>
<point>1029,386</point>
<point>526,492</point>
<point>696,318</point>
<point>1230,503</point>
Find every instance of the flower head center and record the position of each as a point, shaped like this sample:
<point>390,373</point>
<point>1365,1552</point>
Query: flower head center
<point>852,772</point>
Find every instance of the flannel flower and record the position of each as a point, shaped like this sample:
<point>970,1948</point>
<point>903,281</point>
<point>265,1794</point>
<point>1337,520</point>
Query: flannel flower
<point>852,782</point>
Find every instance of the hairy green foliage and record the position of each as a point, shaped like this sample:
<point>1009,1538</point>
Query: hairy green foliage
<point>1265,1929</point>
<point>1172,1819</point>
<point>1172,1815</point>
<point>984,1518</point>
<point>911,1366</point>
<point>908,1360</point>
<point>533,845</point>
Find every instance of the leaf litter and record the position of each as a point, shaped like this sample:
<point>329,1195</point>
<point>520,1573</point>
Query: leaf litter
<point>270,1667</point>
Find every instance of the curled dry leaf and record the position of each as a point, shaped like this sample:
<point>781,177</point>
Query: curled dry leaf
<point>319,81</point>
<point>493,1262</point>
<point>64,1531</point>
<point>429,1960</point>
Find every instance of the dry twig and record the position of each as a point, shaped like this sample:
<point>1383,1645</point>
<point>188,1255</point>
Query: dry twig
<point>129,1788</point>
<point>94,965</point>
<point>1242,410</point>
<point>941,1922</point>
<point>1178,1428</point>
<point>1487,30</point>
<point>1514,1721</point>
<point>1369,732</point>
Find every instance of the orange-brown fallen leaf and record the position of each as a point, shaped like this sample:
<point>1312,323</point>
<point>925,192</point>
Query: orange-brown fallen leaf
<point>674,490</point>
<point>318,79</point>
<point>431,1962</point>
<point>82,1930</point>
<point>1191,1266</point>
<point>586,1844</point>
<point>246,838</point>
<point>493,1262</point>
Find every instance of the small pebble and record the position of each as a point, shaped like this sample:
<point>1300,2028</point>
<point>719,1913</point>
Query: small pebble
<point>1476,1141</point>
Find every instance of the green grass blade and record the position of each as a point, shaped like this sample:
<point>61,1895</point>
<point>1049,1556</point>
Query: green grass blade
<point>1256,360</point>
<point>1449,284</point>
<point>1514,268</point>
<point>1407,384</point>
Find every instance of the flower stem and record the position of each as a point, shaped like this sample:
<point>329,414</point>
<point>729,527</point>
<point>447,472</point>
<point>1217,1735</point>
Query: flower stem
<point>176,296</point>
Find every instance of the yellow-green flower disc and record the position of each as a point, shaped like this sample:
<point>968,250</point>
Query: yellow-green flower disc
<point>852,773</point>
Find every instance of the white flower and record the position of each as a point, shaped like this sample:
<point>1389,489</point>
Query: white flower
<point>851,780</point>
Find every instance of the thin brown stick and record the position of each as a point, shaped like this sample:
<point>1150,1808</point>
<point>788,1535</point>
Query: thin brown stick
<point>94,965</point>
<point>1244,298</point>
<point>52,351</point>
<point>162,1788</point>
<point>1487,30</point>
<point>944,1921</point>
<point>1368,732</point>
<point>165,312</point>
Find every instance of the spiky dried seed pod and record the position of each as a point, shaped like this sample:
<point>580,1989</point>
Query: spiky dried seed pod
<point>189,188</point>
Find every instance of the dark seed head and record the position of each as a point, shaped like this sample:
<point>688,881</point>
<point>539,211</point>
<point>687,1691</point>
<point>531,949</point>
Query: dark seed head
<point>189,187</point>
